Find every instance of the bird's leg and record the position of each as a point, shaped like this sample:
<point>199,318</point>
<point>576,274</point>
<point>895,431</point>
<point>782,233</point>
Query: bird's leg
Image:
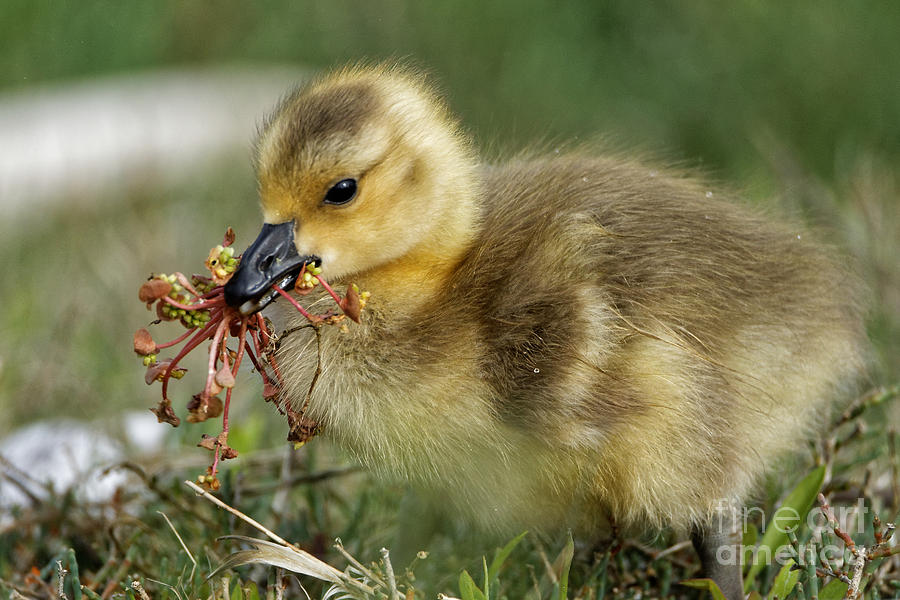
<point>718,543</point>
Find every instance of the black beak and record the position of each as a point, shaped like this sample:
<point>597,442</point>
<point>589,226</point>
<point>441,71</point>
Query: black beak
<point>271,259</point>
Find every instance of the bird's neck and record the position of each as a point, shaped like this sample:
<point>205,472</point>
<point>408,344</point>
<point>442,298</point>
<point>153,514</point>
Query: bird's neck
<point>420,276</point>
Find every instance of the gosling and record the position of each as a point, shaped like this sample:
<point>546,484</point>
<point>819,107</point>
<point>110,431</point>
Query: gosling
<point>602,341</point>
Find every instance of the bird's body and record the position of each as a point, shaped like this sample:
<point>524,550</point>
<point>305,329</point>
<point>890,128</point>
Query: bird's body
<point>614,343</point>
<point>550,342</point>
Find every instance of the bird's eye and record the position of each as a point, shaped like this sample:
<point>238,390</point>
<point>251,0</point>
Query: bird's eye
<point>342,192</point>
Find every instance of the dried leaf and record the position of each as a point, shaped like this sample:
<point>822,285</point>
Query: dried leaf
<point>143,343</point>
<point>154,289</point>
<point>209,442</point>
<point>203,407</point>
<point>302,429</point>
<point>225,378</point>
<point>266,552</point>
<point>165,414</point>
<point>350,303</point>
<point>156,371</point>
<point>229,237</point>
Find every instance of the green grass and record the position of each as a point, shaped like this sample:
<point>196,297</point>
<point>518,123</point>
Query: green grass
<point>798,102</point>
<point>136,536</point>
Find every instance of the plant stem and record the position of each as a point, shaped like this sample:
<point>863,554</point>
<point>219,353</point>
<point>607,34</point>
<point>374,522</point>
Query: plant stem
<point>199,306</point>
<point>296,304</point>
<point>328,289</point>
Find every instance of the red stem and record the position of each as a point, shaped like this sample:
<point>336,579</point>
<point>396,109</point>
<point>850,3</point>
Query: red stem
<point>198,306</point>
<point>264,341</point>
<point>257,346</point>
<point>328,289</point>
<point>242,341</point>
<point>215,466</point>
<point>296,304</point>
<point>214,351</point>
<point>256,364</point>
<point>259,369</point>
<point>271,358</point>
<point>186,284</point>
<point>275,368</point>
<point>217,291</point>
<point>263,330</point>
<point>195,341</point>
<point>237,363</point>
<point>177,340</point>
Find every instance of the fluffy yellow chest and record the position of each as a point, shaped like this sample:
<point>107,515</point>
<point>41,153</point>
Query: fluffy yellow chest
<point>410,414</point>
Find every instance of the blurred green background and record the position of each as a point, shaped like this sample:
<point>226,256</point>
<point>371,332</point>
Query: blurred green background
<point>797,103</point>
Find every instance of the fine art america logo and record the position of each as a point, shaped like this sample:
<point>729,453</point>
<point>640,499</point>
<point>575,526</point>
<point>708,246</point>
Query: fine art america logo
<point>821,522</point>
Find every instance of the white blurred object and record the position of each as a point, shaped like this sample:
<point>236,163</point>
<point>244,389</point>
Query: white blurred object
<point>83,139</point>
<point>63,453</point>
<point>143,431</point>
<point>71,454</point>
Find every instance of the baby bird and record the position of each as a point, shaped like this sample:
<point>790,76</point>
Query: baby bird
<point>573,341</point>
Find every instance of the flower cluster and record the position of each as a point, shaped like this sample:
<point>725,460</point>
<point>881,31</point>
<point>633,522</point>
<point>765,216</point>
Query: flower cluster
<point>198,303</point>
<point>222,263</point>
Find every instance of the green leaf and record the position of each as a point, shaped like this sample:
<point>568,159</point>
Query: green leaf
<point>790,514</point>
<point>748,542</point>
<point>91,594</point>
<point>251,591</point>
<point>705,584</point>
<point>784,581</point>
<point>565,559</point>
<point>237,592</point>
<point>597,580</point>
<point>74,581</point>
<point>835,590</point>
<point>467,588</point>
<point>502,554</point>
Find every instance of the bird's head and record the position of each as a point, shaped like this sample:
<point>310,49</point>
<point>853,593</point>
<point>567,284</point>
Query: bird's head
<point>360,171</point>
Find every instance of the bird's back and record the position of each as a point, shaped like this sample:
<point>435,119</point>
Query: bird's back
<point>677,340</point>
<point>617,342</point>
